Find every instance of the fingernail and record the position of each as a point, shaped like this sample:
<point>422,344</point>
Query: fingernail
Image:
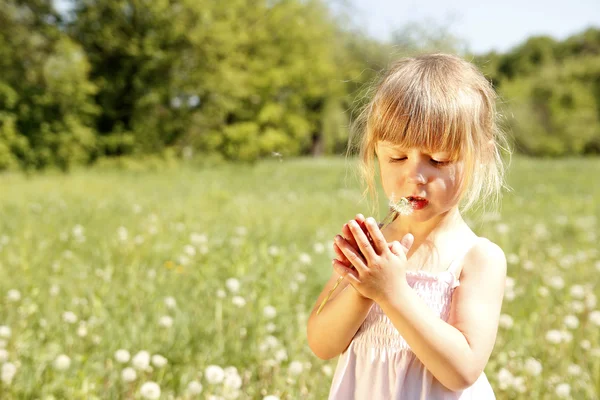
<point>371,220</point>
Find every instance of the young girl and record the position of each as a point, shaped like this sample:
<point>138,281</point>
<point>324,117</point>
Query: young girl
<point>416,314</point>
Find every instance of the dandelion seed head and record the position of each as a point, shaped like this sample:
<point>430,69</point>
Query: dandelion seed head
<point>402,206</point>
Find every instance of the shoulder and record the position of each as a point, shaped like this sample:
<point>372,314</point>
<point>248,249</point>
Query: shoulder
<point>485,257</point>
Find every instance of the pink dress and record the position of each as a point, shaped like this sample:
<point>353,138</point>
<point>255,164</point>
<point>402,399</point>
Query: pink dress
<point>379,364</point>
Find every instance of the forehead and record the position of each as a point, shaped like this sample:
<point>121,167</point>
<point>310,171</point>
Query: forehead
<point>390,146</point>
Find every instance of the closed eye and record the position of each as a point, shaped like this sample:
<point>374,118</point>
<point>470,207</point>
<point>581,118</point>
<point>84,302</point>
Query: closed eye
<point>397,159</point>
<point>438,163</point>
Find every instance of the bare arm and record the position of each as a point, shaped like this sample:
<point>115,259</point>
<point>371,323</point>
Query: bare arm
<point>331,332</point>
<point>456,352</point>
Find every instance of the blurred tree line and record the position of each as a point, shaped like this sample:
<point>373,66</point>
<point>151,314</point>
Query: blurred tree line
<point>243,80</point>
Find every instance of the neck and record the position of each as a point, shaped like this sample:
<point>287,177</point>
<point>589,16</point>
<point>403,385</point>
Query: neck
<point>427,230</point>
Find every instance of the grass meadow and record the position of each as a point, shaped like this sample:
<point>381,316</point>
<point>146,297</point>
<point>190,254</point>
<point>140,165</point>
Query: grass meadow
<point>194,283</point>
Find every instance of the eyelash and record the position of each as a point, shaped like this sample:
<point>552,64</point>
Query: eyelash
<point>436,163</point>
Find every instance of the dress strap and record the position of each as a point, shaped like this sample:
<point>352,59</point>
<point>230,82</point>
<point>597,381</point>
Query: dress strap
<point>456,262</point>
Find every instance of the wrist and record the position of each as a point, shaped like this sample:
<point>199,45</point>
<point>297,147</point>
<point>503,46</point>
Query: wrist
<point>360,296</point>
<point>400,290</point>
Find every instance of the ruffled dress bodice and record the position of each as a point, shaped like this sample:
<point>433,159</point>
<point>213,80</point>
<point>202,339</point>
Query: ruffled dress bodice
<point>379,364</point>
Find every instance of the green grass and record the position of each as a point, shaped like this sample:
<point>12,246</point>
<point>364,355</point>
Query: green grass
<point>110,246</point>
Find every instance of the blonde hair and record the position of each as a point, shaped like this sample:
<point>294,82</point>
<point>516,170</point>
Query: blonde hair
<point>437,102</point>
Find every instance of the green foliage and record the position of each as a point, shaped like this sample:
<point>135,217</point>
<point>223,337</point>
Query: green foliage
<point>243,80</point>
<point>550,93</point>
<point>46,104</point>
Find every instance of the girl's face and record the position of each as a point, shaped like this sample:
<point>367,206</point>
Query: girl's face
<point>431,181</point>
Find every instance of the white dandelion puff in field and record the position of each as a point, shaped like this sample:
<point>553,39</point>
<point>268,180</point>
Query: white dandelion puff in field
<point>170,302</point>
<point>82,330</point>
<point>197,238</point>
<point>69,317</point>
<point>556,282</point>
<point>295,368</point>
<point>62,362</point>
<point>3,355</point>
<point>577,306</point>
<point>577,292</point>
<point>194,388</point>
<point>543,291</point>
<point>150,390</point>
<point>585,344</point>
<point>269,312</point>
<point>54,290</point>
<point>214,374</point>
<point>122,234</point>
<point>128,374</point>
<point>141,361</point>
<point>512,258</point>
<point>241,230</point>
<point>8,373</point>
<point>574,369</point>
<point>189,250</point>
<point>505,379</point>
<point>159,361</point>
<point>294,287</point>
<point>221,294</point>
<point>165,321</point>
<point>327,370</point>
<point>590,300</point>
<point>122,356</point>
<point>238,301</point>
<point>270,397</point>
<point>233,285</point>
<point>305,258</point>
<point>566,336</point>
<point>232,379</point>
<point>502,228</point>
<point>78,230</point>
<point>594,317</point>
<point>5,332</point>
<point>270,327</point>
<point>300,277</point>
<point>318,248</point>
<point>571,322</point>
<point>554,336</point>
<point>273,251</point>
<point>506,321</point>
<point>533,366</point>
<point>13,295</point>
<point>281,355</point>
<point>563,390</point>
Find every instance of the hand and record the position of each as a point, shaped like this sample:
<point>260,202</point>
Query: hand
<point>347,234</point>
<point>379,269</point>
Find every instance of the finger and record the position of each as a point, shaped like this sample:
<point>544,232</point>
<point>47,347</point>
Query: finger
<point>355,258</point>
<point>398,249</point>
<point>363,243</point>
<point>407,241</point>
<point>344,270</point>
<point>379,242</point>
<point>340,256</point>
<point>347,234</point>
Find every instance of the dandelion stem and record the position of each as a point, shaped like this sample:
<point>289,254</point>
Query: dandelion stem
<point>403,207</point>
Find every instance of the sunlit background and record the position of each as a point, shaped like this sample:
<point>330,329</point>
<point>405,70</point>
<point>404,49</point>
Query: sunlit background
<point>173,174</point>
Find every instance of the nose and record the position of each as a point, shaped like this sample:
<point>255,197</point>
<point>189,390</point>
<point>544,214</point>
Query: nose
<point>416,173</point>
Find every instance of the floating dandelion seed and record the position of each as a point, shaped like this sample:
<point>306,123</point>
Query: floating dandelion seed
<point>277,155</point>
<point>400,207</point>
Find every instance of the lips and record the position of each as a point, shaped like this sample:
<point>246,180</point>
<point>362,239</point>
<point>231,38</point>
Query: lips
<point>418,203</point>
